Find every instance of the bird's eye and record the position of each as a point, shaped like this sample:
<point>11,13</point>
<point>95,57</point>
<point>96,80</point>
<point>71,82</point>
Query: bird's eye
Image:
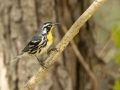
<point>48,28</point>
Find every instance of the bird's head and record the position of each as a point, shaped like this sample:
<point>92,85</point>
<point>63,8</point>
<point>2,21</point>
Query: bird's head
<point>46,30</point>
<point>47,27</point>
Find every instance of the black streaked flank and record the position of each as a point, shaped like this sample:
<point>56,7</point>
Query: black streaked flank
<point>39,50</point>
<point>34,48</point>
<point>33,52</point>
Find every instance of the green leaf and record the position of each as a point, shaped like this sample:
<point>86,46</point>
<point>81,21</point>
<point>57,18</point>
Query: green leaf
<point>117,85</point>
<point>117,59</point>
<point>116,34</point>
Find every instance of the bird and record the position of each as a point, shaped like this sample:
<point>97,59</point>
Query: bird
<point>40,42</point>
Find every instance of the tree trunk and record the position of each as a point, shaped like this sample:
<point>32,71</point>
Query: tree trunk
<point>19,21</point>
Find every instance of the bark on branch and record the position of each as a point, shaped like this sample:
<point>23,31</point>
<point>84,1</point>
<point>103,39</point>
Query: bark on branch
<point>62,45</point>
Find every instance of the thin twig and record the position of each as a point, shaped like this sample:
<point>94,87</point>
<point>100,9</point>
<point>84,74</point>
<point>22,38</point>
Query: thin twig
<point>62,45</point>
<point>82,61</point>
<point>107,43</point>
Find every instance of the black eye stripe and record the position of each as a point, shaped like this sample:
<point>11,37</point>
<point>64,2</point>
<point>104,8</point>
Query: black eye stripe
<point>48,28</point>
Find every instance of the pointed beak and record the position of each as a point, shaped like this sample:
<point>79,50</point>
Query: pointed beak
<point>55,24</point>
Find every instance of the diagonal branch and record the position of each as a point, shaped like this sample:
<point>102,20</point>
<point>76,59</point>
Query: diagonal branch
<point>62,45</point>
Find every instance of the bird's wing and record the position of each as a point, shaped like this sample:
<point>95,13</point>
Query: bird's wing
<point>33,43</point>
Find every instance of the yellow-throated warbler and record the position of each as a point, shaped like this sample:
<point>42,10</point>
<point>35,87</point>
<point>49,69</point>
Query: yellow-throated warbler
<point>40,42</point>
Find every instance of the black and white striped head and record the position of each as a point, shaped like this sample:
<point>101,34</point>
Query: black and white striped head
<point>45,28</point>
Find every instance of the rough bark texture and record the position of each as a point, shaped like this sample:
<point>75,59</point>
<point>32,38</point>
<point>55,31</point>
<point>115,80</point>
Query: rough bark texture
<point>19,20</point>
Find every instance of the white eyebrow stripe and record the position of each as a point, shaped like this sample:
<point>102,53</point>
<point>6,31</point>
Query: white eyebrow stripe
<point>45,25</point>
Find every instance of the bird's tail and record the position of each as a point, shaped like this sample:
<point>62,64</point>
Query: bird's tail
<point>17,57</point>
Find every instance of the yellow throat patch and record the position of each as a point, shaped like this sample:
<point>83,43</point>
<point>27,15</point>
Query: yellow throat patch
<point>49,35</point>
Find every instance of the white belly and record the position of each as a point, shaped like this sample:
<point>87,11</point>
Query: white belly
<point>43,50</point>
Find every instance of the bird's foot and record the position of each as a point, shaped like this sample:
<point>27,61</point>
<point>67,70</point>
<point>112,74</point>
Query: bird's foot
<point>42,64</point>
<point>53,49</point>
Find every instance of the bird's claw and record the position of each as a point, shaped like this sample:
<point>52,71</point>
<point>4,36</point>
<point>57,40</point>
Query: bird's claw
<point>53,49</point>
